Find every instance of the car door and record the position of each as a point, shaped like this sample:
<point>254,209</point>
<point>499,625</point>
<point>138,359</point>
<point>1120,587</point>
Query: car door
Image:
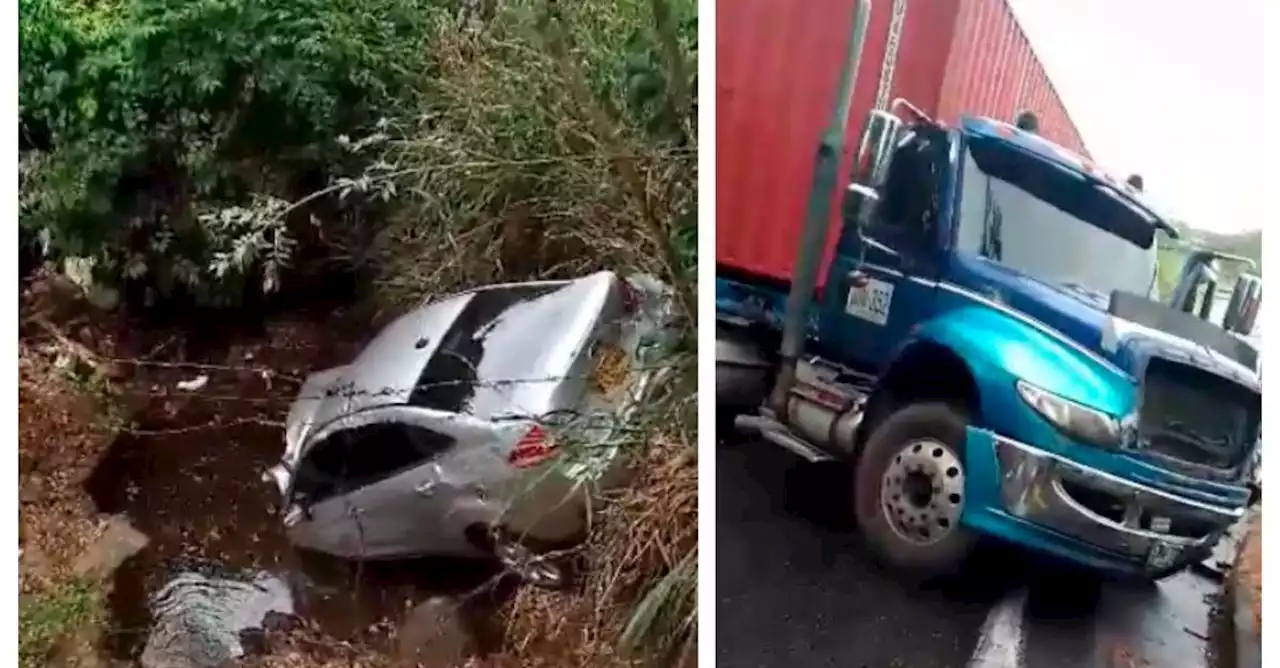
<point>391,501</point>
<point>883,279</point>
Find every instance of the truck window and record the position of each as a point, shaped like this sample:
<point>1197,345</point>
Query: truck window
<point>1038,218</point>
<point>910,202</point>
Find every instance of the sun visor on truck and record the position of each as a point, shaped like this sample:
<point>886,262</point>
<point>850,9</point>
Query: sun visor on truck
<point>1138,309</point>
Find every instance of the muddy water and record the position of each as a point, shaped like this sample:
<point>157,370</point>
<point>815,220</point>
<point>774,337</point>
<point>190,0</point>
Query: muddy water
<point>189,476</point>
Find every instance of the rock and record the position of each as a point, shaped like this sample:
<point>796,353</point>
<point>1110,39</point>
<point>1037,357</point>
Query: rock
<point>434,635</point>
<point>119,542</point>
<point>211,619</point>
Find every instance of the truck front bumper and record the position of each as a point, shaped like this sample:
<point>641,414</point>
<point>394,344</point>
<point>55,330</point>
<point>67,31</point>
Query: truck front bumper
<point>1043,501</point>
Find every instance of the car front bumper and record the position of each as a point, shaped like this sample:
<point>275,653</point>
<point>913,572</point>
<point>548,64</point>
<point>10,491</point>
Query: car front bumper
<point>1043,501</point>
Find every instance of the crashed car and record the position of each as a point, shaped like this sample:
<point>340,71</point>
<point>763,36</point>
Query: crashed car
<point>476,425</point>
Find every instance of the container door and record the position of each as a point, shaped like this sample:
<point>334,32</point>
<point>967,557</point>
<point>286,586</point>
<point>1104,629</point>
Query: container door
<point>884,277</point>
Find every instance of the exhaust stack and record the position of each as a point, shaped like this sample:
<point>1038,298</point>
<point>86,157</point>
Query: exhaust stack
<point>825,179</point>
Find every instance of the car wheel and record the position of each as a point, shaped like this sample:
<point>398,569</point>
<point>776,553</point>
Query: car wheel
<point>539,570</point>
<point>909,491</point>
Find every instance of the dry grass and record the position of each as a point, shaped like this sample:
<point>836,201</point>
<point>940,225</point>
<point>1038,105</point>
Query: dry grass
<point>1249,567</point>
<point>645,533</point>
<point>517,167</point>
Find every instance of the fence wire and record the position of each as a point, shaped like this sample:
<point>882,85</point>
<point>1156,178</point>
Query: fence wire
<point>272,390</point>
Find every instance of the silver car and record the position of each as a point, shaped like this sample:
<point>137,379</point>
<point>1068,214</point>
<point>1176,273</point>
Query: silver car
<point>475,425</point>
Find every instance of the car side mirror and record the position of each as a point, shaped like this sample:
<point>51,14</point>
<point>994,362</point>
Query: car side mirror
<point>1242,310</point>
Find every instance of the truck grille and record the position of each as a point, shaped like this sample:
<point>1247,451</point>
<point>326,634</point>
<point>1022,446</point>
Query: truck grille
<point>1194,417</point>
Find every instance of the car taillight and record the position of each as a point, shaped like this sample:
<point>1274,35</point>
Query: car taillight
<point>532,449</point>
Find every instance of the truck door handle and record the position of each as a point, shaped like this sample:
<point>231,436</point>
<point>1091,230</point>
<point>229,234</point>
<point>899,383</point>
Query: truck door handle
<point>425,489</point>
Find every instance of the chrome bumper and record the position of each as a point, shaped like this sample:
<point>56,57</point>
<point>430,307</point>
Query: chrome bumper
<point>1103,510</point>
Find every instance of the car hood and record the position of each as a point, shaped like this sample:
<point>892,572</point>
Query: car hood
<point>501,351</point>
<point>1126,337</point>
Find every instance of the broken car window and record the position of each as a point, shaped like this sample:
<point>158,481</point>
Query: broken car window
<point>353,459</point>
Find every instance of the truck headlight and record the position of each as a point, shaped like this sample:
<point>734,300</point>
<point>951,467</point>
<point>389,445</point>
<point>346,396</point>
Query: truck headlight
<point>1077,421</point>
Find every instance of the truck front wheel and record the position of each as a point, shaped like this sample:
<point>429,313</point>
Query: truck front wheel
<point>909,490</point>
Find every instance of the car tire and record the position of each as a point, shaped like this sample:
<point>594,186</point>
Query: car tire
<point>908,491</point>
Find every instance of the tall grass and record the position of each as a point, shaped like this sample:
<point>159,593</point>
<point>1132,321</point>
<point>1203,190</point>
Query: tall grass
<point>553,139</point>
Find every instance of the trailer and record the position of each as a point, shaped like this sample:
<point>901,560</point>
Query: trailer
<point>777,67</point>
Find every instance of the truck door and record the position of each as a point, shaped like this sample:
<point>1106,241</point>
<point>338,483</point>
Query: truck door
<point>883,278</point>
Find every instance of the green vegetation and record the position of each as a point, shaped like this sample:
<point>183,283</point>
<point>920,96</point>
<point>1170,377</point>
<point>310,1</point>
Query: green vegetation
<point>46,618</point>
<point>163,140</point>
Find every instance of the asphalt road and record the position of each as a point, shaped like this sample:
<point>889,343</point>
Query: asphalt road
<point>796,590</point>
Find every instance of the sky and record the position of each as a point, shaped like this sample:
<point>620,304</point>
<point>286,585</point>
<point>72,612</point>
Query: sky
<point>1146,84</point>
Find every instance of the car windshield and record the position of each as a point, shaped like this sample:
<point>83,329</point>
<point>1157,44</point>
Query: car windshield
<point>1052,223</point>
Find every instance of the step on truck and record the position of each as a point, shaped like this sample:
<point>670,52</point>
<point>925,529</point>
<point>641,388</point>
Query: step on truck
<point>978,336</point>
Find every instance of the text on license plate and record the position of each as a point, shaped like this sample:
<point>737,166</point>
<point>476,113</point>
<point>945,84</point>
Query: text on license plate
<point>870,301</point>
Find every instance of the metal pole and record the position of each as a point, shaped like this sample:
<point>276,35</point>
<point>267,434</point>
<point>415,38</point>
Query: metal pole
<point>822,189</point>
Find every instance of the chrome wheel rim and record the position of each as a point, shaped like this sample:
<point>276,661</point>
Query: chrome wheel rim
<point>922,492</point>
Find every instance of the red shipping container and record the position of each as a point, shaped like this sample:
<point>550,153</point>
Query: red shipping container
<point>777,65</point>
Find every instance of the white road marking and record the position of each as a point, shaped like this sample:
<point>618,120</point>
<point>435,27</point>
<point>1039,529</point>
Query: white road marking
<point>1001,641</point>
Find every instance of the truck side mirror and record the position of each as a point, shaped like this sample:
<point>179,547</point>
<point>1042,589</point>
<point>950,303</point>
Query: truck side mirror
<point>870,170</point>
<point>875,148</point>
<point>1198,271</point>
<point>1242,310</point>
<point>860,203</point>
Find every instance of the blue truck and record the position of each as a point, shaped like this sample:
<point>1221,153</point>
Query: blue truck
<point>989,355</point>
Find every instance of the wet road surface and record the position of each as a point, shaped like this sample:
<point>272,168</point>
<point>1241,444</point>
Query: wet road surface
<point>795,589</point>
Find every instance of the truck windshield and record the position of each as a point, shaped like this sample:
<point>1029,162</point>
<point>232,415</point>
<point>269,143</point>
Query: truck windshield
<point>1052,223</point>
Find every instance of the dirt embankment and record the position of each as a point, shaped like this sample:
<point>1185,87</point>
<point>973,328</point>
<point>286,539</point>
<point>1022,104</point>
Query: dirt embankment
<point>66,421</point>
<point>1249,568</point>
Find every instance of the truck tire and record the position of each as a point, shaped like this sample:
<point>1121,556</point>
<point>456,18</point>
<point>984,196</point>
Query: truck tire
<point>909,491</point>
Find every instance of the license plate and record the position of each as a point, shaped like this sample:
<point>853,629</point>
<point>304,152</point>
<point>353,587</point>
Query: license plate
<point>870,301</point>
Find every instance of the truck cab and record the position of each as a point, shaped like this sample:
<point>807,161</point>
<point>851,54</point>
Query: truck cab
<point>988,353</point>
